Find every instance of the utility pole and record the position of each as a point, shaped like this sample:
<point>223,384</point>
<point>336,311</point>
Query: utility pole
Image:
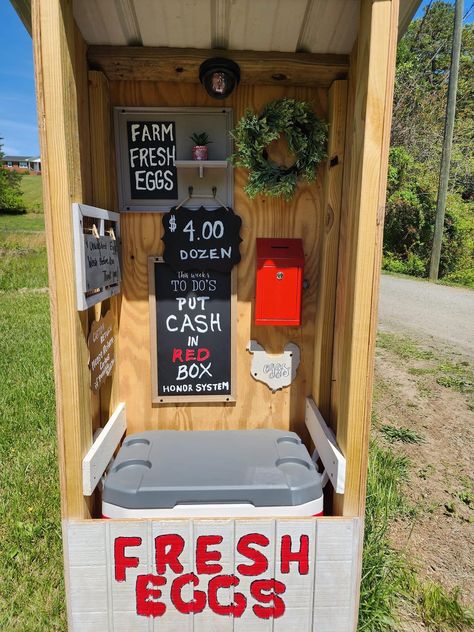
<point>447,143</point>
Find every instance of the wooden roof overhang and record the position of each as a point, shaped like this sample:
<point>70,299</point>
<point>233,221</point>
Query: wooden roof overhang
<point>285,26</point>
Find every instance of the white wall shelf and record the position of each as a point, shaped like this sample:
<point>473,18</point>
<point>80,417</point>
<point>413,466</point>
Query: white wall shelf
<point>201,164</point>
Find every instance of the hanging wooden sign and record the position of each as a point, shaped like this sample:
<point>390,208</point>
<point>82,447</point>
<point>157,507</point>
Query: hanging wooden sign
<point>202,239</point>
<point>101,343</point>
<point>241,575</point>
<point>192,329</point>
<point>96,254</point>
<point>274,370</point>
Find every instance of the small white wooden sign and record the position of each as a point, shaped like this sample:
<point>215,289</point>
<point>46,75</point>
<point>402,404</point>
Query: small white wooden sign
<point>96,253</point>
<point>219,575</point>
<point>274,370</point>
<point>101,261</point>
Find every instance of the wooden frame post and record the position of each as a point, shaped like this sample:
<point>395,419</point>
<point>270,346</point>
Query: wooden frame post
<point>326,300</point>
<point>367,142</point>
<point>61,82</point>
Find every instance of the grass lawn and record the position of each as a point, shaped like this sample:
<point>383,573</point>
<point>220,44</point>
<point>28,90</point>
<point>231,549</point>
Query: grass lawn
<point>21,223</point>
<point>32,188</point>
<point>31,582</point>
<point>31,569</point>
<point>31,586</point>
<point>22,252</point>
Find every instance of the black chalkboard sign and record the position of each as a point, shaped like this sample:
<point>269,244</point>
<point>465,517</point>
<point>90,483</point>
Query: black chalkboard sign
<point>191,334</point>
<point>202,239</point>
<point>151,156</point>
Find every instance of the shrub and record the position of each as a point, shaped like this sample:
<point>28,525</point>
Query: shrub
<point>410,217</point>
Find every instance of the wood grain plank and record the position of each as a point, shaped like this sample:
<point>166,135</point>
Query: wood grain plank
<point>337,575</point>
<point>361,226</point>
<point>326,301</point>
<point>182,65</point>
<point>323,585</point>
<point>302,217</point>
<point>172,619</point>
<point>104,194</point>
<point>122,594</point>
<point>298,579</point>
<point>209,621</point>
<point>267,528</point>
<point>60,70</point>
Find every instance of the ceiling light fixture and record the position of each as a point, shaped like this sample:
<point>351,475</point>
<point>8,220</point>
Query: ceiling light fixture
<point>219,76</point>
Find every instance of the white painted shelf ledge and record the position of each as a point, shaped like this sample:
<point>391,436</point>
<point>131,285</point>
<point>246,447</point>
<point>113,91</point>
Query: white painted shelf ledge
<point>102,450</point>
<point>325,442</point>
<point>200,165</point>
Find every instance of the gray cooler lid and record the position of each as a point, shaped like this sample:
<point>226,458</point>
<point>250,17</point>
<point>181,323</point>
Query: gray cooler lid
<point>163,468</point>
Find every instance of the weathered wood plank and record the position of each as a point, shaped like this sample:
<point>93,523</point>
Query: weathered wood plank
<point>182,65</point>
<point>307,564</point>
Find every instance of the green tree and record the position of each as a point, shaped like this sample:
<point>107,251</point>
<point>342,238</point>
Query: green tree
<point>423,61</point>
<point>10,188</point>
<point>421,84</point>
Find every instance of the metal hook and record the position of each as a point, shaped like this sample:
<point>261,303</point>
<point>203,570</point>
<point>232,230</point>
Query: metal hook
<point>214,196</point>
<point>190,195</point>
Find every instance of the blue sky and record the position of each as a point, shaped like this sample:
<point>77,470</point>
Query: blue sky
<point>18,125</point>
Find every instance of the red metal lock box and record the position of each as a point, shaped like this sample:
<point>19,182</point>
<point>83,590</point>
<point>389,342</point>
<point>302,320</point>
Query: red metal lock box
<point>279,285</point>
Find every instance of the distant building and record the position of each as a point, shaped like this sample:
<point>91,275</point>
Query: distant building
<point>22,164</point>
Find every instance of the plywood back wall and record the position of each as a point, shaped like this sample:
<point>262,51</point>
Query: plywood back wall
<point>303,217</point>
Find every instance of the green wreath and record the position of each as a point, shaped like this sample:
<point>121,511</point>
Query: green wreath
<point>306,136</point>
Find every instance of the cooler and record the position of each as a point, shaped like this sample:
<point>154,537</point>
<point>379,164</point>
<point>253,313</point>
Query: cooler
<point>200,474</point>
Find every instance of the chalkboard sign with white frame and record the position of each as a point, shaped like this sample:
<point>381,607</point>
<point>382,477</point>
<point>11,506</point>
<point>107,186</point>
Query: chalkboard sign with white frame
<point>192,334</point>
<point>154,150</point>
<point>97,254</point>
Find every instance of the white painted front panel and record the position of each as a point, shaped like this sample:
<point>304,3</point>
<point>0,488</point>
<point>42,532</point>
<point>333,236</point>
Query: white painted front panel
<point>318,591</point>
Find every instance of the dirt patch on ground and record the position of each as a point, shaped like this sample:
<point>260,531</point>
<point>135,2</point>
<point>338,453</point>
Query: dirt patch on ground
<point>430,393</point>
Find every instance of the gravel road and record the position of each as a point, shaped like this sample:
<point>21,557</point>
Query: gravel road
<point>426,310</point>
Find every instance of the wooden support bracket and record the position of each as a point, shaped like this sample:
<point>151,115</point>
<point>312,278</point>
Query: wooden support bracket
<point>323,437</point>
<point>102,450</point>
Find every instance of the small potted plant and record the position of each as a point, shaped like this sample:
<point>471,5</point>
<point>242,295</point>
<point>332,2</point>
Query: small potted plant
<point>201,141</point>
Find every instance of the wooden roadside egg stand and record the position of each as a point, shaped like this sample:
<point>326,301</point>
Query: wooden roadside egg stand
<point>99,66</point>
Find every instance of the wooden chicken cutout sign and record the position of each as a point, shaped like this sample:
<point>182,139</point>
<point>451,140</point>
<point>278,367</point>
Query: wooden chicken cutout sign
<point>275,370</point>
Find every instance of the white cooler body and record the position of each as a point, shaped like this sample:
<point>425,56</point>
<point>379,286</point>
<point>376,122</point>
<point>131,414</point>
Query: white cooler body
<point>208,474</point>
<point>230,510</point>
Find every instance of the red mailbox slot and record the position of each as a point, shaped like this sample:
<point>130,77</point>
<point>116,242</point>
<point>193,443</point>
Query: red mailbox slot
<point>280,265</point>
